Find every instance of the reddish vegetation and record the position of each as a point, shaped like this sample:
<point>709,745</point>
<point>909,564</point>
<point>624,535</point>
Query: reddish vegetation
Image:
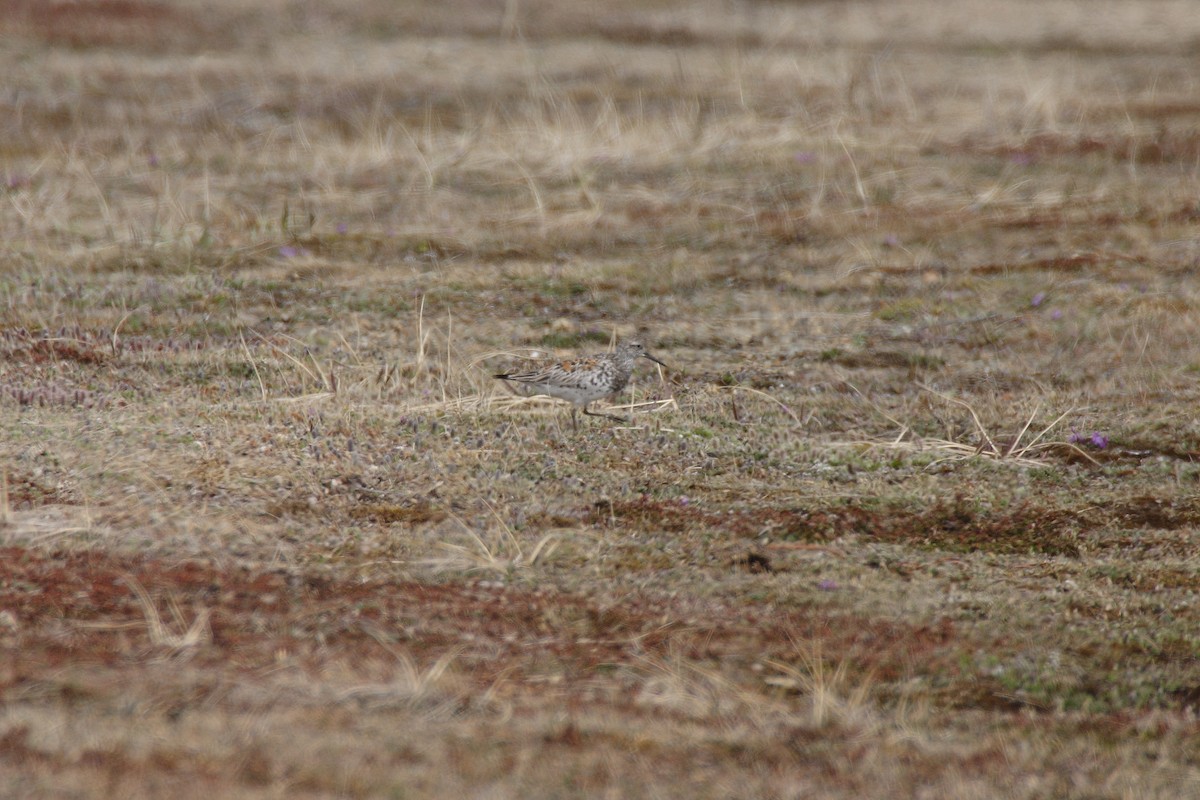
<point>43,351</point>
<point>95,23</point>
<point>91,345</point>
<point>1160,513</point>
<point>951,526</point>
<point>1072,263</point>
<point>26,491</point>
<point>73,607</point>
<point>1164,147</point>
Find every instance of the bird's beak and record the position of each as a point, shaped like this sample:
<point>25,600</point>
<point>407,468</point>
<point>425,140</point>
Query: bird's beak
<point>655,360</point>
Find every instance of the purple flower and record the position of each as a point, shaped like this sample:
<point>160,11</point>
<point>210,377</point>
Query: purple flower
<point>342,227</point>
<point>1056,314</point>
<point>152,160</point>
<point>1097,440</point>
<point>891,240</point>
<point>683,501</point>
<point>1038,299</point>
<point>288,251</point>
<point>827,585</point>
<point>805,157</point>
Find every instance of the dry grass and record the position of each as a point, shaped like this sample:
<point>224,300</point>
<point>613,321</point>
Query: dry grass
<point>913,513</point>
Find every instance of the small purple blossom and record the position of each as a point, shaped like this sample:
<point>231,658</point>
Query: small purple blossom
<point>1038,299</point>
<point>891,240</point>
<point>342,227</point>
<point>152,160</point>
<point>684,500</point>
<point>1096,439</point>
<point>1021,159</point>
<point>827,585</point>
<point>805,157</point>
<point>16,181</point>
<point>1056,314</point>
<point>289,251</point>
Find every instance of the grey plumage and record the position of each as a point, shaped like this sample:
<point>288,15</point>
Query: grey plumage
<point>583,380</point>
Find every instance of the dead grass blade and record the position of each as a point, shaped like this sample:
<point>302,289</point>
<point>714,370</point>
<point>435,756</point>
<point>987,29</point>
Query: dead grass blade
<point>199,632</point>
<point>412,686</point>
<point>768,396</point>
<point>5,511</point>
<point>978,425</point>
<point>650,406</point>
<point>1046,430</point>
<point>503,555</point>
<point>43,524</point>
<point>875,406</point>
<point>681,686</point>
<point>831,699</point>
<point>326,380</point>
<point>1013,452</point>
<point>262,388</point>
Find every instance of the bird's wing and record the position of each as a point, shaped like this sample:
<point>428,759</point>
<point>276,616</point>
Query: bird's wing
<point>562,373</point>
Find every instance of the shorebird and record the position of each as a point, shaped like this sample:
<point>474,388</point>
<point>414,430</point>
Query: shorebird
<point>584,379</point>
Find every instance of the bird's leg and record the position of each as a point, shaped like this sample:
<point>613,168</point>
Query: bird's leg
<point>575,419</point>
<point>613,417</point>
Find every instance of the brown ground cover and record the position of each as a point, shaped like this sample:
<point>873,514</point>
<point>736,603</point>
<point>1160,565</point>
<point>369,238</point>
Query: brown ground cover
<point>912,513</point>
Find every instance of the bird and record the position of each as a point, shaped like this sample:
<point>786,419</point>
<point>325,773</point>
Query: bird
<point>583,380</point>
